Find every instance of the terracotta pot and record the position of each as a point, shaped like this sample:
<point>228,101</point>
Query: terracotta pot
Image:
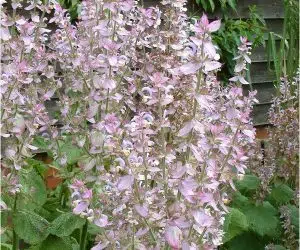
<point>262,132</point>
<point>51,177</point>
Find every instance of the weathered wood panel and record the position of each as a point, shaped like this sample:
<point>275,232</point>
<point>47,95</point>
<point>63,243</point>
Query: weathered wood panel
<point>269,9</point>
<point>260,114</point>
<point>265,91</point>
<point>260,73</point>
<point>260,54</point>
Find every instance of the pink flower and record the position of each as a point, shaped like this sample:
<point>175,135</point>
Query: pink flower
<point>173,235</point>
<point>158,79</point>
<point>142,210</point>
<point>125,182</point>
<point>111,123</point>
<point>102,221</point>
<point>81,207</point>
<point>202,218</point>
<point>204,26</point>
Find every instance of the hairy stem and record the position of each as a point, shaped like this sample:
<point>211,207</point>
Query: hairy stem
<point>83,236</point>
<point>15,236</point>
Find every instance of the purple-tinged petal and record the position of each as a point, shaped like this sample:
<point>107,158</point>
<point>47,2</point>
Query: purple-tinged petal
<point>202,218</point>
<point>141,210</point>
<point>186,128</point>
<point>214,26</point>
<point>125,182</point>
<point>81,206</point>
<point>173,235</point>
<point>102,221</point>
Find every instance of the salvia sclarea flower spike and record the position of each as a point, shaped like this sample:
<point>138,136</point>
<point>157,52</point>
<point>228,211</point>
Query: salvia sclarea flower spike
<point>139,94</point>
<point>244,50</point>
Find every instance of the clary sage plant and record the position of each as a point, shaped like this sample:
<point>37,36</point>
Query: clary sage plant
<point>137,92</point>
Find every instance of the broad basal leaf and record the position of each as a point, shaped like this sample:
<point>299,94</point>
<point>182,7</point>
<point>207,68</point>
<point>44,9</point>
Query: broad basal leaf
<point>281,194</point>
<point>294,213</point>
<point>246,241</point>
<point>235,223</point>
<point>65,224</point>
<point>30,227</point>
<point>262,219</point>
<point>249,184</point>
<point>56,243</point>
<point>33,187</point>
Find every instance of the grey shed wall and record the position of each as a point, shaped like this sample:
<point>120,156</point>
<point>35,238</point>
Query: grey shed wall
<point>262,80</point>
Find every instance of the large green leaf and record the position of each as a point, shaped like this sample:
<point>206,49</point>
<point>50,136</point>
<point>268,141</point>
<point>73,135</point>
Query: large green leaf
<point>4,246</point>
<point>30,227</point>
<point>235,224</point>
<point>281,194</point>
<point>56,243</point>
<point>294,213</point>
<point>239,200</point>
<point>65,224</point>
<point>248,184</point>
<point>262,219</point>
<point>33,187</point>
<point>245,241</point>
<point>42,143</point>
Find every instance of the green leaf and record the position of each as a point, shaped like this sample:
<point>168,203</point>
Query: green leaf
<point>73,152</point>
<point>235,223</point>
<point>232,4</point>
<point>52,204</point>
<point>42,143</point>
<point>33,186</point>
<point>239,200</point>
<point>4,246</point>
<point>281,194</point>
<point>38,165</point>
<point>30,227</point>
<point>294,211</point>
<point>212,5</point>
<point>246,241</point>
<point>65,224</point>
<point>94,229</point>
<point>204,4</point>
<point>279,247</point>
<point>56,243</point>
<point>249,184</point>
<point>262,219</point>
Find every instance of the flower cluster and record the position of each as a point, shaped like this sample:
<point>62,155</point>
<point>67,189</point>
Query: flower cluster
<point>284,116</point>
<point>137,91</point>
<point>280,154</point>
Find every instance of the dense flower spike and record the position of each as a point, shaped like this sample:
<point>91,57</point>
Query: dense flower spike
<point>281,151</point>
<point>137,92</point>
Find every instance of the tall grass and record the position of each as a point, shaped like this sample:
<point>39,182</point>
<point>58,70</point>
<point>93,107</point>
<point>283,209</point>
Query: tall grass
<point>284,61</point>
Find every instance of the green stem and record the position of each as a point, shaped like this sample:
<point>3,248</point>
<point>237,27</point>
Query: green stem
<point>83,236</point>
<point>15,236</point>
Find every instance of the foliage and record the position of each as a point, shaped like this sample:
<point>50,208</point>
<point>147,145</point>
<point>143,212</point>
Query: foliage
<point>29,226</point>
<point>259,222</point>
<point>235,223</point>
<point>73,7</point>
<point>65,224</point>
<point>211,5</point>
<point>284,60</point>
